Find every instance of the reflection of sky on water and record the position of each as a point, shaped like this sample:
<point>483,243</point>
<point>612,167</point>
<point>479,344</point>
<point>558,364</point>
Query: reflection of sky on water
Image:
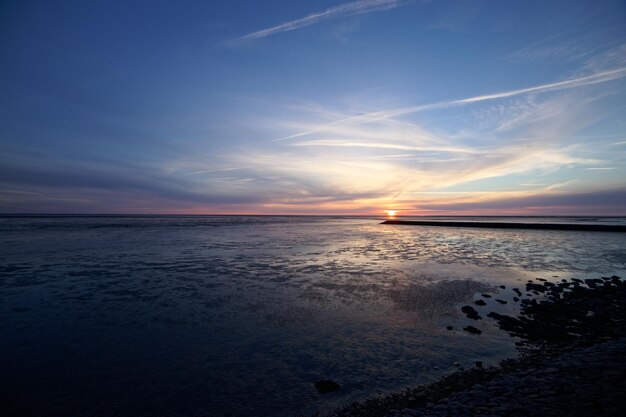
<point>208,315</point>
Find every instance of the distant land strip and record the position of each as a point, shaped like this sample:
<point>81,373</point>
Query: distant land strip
<point>501,225</point>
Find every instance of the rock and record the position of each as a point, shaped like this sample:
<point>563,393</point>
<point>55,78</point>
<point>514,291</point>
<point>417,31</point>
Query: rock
<point>486,295</point>
<point>592,282</point>
<point>500,301</point>
<point>449,327</point>
<point>480,303</point>
<point>472,329</point>
<point>326,385</point>
<point>537,288</point>
<point>470,312</point>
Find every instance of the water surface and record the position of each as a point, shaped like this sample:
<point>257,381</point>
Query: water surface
<point>238,316</point>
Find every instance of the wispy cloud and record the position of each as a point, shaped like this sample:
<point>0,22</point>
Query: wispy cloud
<point>458,17</point>
<point>346,9</point>
<point>515,148</point>
<point>556,47</point>
<point>521,148</point>
<point>359,160</point>
<point>596,78</point>
<point>343,144</point>
<point>599,77</point>
<point>572,202</point>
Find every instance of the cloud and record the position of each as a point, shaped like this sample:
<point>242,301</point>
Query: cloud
<point>346,9</point>
<point>595,49</point>
<point>352,166</point>
<point>518,149</point>
<point>342,144</point>
<point>525,140</point>
<point>596,78</point>
<point>607,202</point>
<point>558,47</point>
<point>149,183</point>
<point>458,16</point>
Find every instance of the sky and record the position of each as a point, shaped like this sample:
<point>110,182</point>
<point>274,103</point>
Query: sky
<point>438,107</point>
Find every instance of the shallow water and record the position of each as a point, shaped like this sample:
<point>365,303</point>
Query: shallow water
<point>238,316</point>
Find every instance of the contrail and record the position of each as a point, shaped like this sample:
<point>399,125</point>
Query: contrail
<point>346,9</point>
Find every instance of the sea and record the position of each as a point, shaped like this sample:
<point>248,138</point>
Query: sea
<point>241,315</point>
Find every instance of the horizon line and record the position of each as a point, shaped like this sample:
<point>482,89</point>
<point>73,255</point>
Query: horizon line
<point>297,215</point>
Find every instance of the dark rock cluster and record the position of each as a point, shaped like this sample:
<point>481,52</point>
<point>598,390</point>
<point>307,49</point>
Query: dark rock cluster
<point>570,312</point>
<point>565,312</point>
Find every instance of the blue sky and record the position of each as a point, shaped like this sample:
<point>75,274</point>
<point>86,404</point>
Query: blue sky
<point>302,107</point>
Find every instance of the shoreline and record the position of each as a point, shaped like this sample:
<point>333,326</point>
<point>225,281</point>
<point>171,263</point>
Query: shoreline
<point>572,362</point>
<point>541,384</point>
<point>504,225</point>
<point>582,382</point>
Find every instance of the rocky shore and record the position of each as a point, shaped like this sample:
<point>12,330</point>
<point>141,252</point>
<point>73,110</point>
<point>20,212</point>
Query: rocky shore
<point>572,339</point>
<point>585,382</point>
